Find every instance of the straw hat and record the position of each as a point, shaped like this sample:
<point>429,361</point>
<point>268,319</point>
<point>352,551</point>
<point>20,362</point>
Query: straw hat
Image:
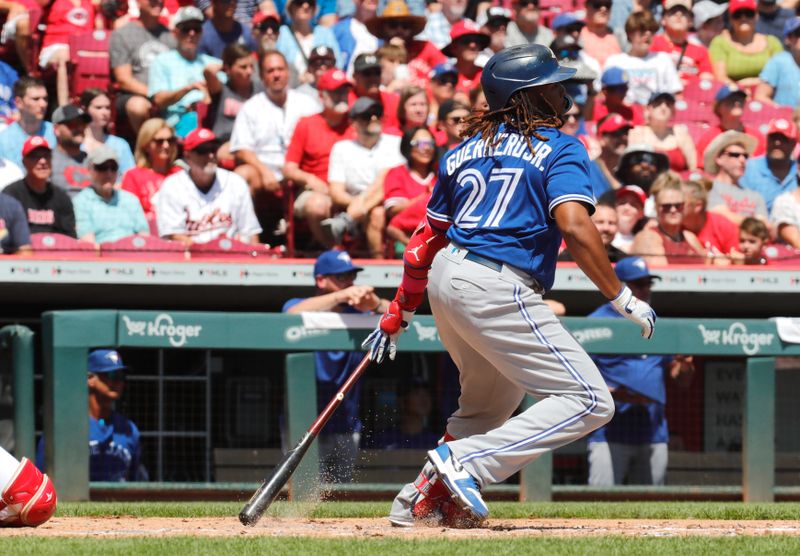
<point>395,10</point>
<point>723,141</point>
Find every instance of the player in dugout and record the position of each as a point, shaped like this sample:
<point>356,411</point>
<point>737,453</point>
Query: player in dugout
<point>504,199</point>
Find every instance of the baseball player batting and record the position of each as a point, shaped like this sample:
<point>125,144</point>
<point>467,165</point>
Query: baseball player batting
<point>504,199</point>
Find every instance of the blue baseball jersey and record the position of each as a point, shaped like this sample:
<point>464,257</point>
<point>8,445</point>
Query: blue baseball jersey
<point>500,202</point>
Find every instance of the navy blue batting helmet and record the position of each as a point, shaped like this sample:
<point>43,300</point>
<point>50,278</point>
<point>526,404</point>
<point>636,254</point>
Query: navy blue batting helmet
<point>520,67</point>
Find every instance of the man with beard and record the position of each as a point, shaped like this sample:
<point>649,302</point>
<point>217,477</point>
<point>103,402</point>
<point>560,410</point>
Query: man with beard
<point>205,202</point>
<point>613,135</point>
<point>440,22</point>
<point>775,173</point>
<point>641,165</point>
<point>525,28</point>
<point>367,83</point>
<point>70,171</point>
<point>266,27</point>
<point>309,152</point>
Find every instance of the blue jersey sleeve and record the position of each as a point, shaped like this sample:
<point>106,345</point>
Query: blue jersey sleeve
<point>439,203</point>
<point>567,175</point>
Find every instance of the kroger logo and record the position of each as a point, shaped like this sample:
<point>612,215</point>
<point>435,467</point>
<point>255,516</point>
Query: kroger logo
<point>425,333</point>
<point>736,335</point>
<point>592,334</point>
<point>162,326</point>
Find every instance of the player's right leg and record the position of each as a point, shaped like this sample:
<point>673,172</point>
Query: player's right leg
<point>28,498</point>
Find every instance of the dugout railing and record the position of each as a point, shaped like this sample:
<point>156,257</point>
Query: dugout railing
<point>18,341</point>
<point>68,335</point>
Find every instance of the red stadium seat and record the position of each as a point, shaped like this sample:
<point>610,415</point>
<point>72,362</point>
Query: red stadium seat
<point>758,114</point>
<point>90,65</point>
<point>62,247</point>
<point>144,247</point>
<point>693,112</point>
<point>701,91</point>
<point>225,247</point>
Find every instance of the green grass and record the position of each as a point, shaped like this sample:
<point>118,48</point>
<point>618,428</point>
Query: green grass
<point>398,547</point>
<point>500,510</point>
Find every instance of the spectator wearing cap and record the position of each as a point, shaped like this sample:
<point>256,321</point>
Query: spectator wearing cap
<point>444,79</point>
<point>649,72</point>
<point>640,165</point>
<point>320,61</point>
<point>308,157</point>
<point>709,20</point>
<point>780,78</point>
<point>15,237</point>
<point>367,83</point>
<point>496,26</point>
<point>690,58</point>
<point>228,97</point>
<point>739,53</point>
<point>63,19</point>
<point>584,84</point>
<point>467,40</point>
<point>613,138</point>
<point>718,235</point>
<point>48,209</point>
<point>70,169</point>
<point>204,202</point>
<point>265,29</point>
<point>633,447</point>
<point>772,18</point>
<point>526,27</point>
<point>669,241</point>
<point>297,38</point>
<point>629,201</point>
<point>132,49</point>
<point>397,25</point>
<point>104,213</point>
<point>659,131</point>
<point>175,81</point>
<point>568,24</point>
<point>450,121</point>
<point>568,28</point>
<point>265,124</point>
<point>30,98</point>
<point>775,173</point>
<point>729,105</point>
<point>221,29</point>
<point>725,160</point>
<point>336,291</point>
<point>352,35</point>
<point>115,452</point>
<point>354,166</point>
<point>441,22</point>
<point>597,36</point>
<point>614,89</point>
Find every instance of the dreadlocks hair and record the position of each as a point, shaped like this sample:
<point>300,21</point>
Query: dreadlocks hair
<point>526,110</point>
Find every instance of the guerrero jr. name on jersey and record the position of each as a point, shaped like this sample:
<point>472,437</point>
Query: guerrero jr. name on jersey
<point>513,145</point>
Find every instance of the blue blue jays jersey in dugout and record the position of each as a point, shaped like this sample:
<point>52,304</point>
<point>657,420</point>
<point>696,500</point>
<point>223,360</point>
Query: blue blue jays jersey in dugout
<point>500,202</point>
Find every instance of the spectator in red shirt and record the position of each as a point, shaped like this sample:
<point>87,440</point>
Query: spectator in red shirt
<point>614,83</point>
<point>729,107</point>
<point>690,58</point>
<point>467,40</point>
<point>397,25</point>
<point>155,154</point>
<point>367,83</point>
<point>310,148</point>
<point>718,235</point>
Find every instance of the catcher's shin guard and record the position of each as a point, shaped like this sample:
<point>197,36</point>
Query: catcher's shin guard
<point>29,499</point>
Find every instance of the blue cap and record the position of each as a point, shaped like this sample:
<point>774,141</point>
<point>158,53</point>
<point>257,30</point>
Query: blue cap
<point>728,90</point>
<point>105,361</point>
<point>658,95</point>
<point>334,261</point>
<point>443,69</point>
<point>613,77</point>
<point>791,26</point>
<point>633,268</point>
<point>564,19</point>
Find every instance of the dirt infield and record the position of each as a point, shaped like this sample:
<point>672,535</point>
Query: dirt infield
<point>376,528</point>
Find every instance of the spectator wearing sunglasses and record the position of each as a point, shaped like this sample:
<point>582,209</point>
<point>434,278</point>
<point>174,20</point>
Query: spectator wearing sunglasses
<point>336,291</point>
<point>526,26</point>
<point>690,58</point>
<point>612,133</point>
<point>668,241</point>
<point>300,36</point>
<point>467,40</point>
<point>776,172</point>
<point>725,161</point>
<point>176,81</point>
<point>321,60</point>
<point>739,53</point>
<point>132,49</point>
<point>648,72</point>
<point>597,36</point>
<point>780,78</point>
<point>613,98</point>
<point>450,121</point>
<point>102,212</point>
<point>717,234</point>
<point>265,29</point>
<point>397,25</point>
<point>221,29</point>
<point>640,165</point>
<point>352,35</point>
<point>581,86</point>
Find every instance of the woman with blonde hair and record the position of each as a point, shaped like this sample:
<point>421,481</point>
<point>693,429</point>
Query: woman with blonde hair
<point>155,155</point>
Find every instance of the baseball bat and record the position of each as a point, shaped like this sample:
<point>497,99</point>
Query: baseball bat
<point>272,485</point>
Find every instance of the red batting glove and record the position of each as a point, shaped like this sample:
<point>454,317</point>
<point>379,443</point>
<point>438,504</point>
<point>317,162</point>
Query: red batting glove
<point>383,340</point>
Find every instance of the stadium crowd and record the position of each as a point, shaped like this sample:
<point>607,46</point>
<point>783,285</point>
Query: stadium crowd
<point>321,123</point>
